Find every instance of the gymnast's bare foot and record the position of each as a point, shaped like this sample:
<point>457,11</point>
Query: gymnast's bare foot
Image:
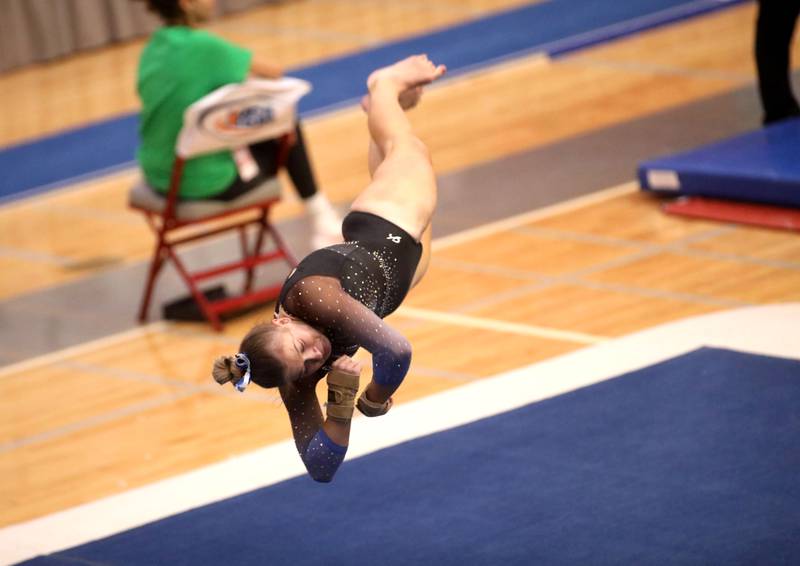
<point>408,77</point>
<point>408,99</point>
<point>413,71</point>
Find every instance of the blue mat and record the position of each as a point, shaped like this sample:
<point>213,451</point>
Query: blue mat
<point>761,166</point>
<point>691,461</point>
<point>554,27</point>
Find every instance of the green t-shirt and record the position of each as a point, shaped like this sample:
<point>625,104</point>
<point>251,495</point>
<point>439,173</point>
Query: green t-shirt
<point>180,65</point>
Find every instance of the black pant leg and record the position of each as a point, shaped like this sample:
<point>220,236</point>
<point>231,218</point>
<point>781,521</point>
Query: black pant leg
<point>298,165</point>
<point>774,29</point>
<point>265,155</point>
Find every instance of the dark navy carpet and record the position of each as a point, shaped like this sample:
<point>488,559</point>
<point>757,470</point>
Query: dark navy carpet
<point>692,461</point>
<point>554,27</point>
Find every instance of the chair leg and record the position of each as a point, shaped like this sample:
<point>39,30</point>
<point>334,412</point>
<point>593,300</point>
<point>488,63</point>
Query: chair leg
<point>155,268</point>
<point>248,278</point>
<point>165,251</point>
<point>199,297</point>
<point>258,245</point>
<point>281,245</point>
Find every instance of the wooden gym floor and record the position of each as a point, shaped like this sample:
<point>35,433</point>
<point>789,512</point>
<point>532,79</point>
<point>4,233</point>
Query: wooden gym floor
<point>128,409</point>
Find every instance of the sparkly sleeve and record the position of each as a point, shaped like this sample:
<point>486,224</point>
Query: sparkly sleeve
<point>304,411</point>
<point>321,302</point>
<point>320,455</point>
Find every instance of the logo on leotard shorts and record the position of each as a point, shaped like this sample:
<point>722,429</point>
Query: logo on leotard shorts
<point>395,239</point>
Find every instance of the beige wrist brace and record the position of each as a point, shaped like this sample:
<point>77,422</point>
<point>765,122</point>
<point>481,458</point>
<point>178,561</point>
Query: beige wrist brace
<point>371,408</point>
<point>342,389</point>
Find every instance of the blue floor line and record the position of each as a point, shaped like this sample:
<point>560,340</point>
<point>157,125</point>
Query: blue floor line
<point>556,27</point>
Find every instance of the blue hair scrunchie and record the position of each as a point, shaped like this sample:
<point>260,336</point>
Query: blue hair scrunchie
<point>243,363</point>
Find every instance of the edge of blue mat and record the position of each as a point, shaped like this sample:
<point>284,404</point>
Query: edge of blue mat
<point>716,170</point>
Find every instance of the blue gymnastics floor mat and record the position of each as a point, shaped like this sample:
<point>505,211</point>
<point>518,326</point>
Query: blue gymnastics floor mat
<point>691,461</point>
<point>554,27</point>
<point>761,166</point>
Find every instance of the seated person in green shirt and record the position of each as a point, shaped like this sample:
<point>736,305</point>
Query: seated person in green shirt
<point>179,65</point>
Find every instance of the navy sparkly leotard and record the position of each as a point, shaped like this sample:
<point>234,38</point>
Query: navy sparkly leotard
<point>345,290</point>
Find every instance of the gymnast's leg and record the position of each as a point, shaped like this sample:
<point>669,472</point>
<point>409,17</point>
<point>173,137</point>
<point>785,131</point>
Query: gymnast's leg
<point>403,187</point>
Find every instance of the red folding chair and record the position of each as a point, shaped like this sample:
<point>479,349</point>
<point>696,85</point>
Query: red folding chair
<point>231,117</point>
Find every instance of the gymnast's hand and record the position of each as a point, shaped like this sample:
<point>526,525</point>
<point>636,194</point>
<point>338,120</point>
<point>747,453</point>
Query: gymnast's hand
<point>342,389</point>
<point>346,364</point>
<point>343,364</point>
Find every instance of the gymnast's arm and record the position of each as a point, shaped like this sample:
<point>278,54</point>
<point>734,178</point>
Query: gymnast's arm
<point>302,405</point>
<point>321,442</point>
<point>322,302</point>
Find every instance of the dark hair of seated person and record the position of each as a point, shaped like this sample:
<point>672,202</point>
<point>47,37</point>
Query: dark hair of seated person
<point>168,10</point>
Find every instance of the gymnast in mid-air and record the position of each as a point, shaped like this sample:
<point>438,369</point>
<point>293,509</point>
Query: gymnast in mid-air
<point>335,300</point>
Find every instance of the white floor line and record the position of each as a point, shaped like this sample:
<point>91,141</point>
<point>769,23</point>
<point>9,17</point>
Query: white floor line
<point>499,325</point>
<point>34,256</point>
<point>36,195</point>
<point>531,216</point>
<point>33,363</point>
<point>769,330</point>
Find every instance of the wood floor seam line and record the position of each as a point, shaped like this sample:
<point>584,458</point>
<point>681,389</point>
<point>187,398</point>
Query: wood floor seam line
<point>664,70</point>
<point>93,421</point>
<point>546,281</point>
<point>660,294</point>
<point>622,261</point>
<point>211,387</point>
<point>509,223</point>
<point>592,238</point>
<point>679,247</point>
<point>502,297</point>
<point>71,351</point>
<point>33,256</point>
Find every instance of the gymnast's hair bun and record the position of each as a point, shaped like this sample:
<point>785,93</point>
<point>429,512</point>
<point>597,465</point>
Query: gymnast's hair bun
<point>225,370</point>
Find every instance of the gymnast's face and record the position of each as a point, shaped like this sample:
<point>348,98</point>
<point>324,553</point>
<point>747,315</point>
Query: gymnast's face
<point>302,347</point>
